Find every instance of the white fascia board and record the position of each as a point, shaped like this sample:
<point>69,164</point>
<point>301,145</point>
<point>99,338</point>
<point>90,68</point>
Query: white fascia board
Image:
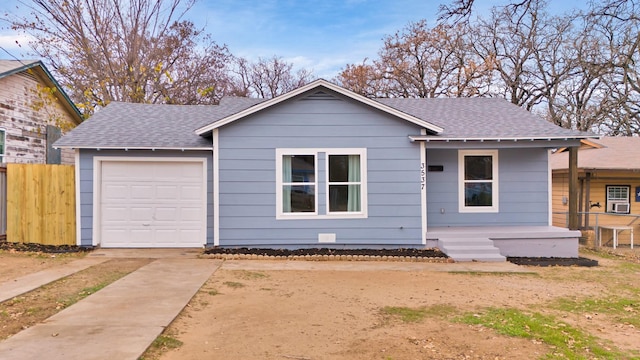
<point>135,148</point>
<point>498,139</point>
<point>313,85</point>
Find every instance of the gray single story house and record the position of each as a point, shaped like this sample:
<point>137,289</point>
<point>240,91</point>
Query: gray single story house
<point>321,166</point>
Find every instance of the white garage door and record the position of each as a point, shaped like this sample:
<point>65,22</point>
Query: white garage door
<point>152,204</point>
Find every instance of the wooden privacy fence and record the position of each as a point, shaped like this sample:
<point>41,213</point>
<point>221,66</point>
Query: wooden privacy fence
<point>3,202</point>
<point>41,204</point>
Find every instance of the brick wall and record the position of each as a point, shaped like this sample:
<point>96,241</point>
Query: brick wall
<point>25,127</point>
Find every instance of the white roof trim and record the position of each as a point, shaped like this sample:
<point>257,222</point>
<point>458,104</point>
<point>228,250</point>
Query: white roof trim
<point>498,139</point>
<point>126,148</point>
<point>310,86</point>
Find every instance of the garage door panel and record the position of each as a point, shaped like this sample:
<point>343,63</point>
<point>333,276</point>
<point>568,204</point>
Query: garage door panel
<point>153,204</point>
<point>167,192</point>
<point>191,172</point>
<point>186,235</point>
<point>114,236</point>
<point>190,192</point>
<point>166,236</point>
<point>140,236</point>
<point>115,192</point>
<point>141,214</point>
<point>142,192</point>
<point>190,214</point>
<point>115,213</point>
<point>165,214</point>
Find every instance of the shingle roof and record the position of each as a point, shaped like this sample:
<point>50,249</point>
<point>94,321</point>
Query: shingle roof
<point>121,125</point>
<point>10,67</point>
<point>127,125</point>
<point>617,153</point>
<point>479,118</point>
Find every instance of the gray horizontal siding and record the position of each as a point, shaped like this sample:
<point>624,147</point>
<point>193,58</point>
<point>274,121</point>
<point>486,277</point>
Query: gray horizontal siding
<point>523,186</point>
<point>86,184</point>
<point>247,175</point>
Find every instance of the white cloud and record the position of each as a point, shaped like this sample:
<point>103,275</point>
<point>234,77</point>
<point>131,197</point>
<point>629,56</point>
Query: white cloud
<point>15,43</point>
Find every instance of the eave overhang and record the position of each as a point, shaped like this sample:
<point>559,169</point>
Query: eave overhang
<point>428,138</point>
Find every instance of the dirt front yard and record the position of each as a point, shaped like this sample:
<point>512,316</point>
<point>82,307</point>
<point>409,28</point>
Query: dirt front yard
<point>254,310</point>
<point>419,314</point>
<point>16,264</point>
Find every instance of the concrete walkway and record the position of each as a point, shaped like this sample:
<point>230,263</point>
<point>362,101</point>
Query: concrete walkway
<point>24,284</point>
<point>119,321</point>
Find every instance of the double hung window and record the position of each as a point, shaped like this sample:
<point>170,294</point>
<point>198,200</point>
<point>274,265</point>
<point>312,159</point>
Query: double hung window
<point>478,180</point>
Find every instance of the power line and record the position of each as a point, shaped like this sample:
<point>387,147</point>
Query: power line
<point>10,54</point>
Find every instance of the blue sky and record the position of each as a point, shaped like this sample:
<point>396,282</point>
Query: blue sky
<point>322,36</point>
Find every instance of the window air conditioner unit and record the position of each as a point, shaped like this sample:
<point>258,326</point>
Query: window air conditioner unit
<point>621,208</point>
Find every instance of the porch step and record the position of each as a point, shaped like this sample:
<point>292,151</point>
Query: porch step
<point>470,249</point>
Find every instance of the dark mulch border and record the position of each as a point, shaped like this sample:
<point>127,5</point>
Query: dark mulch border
<point>48,249</point>
<point>553,261</point>
<point>421,253</point>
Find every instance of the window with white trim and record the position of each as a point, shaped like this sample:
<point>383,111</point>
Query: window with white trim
<point>343,183</point>
<point>299,184</point>
<point>618,199</point>
<point>478,180</point>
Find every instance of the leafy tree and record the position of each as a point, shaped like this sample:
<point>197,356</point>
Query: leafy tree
<point>127,50</point>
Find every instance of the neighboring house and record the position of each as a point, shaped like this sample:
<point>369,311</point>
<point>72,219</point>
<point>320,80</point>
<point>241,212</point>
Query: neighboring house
<point>321,166</point>
<point>609,186</point>
<point>34,110</point>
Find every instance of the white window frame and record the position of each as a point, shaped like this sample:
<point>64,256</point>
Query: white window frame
<point>494,208</point>
<point>281,215</point>
<point>609,202</point>
<point>363,183</point>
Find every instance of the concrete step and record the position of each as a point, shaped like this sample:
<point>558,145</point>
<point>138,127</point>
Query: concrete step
<point>470,249</point>
<point>479,258</point>
<point>467,242</point>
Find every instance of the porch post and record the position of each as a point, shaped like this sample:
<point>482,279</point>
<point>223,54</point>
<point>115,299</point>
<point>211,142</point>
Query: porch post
<point>573,188</point>
<point>587,199</point>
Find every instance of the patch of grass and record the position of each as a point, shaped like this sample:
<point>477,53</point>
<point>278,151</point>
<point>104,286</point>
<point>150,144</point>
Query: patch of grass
<point>413,315</point>
<point>251,275</point>
<point>624,310</point>
<point>602,254</point>
<point>440,311</point>
<point>213,292</point>
<point>566,341</point>
<point>405,314</point>
<point>70,300</point>
<point>32,311</point>
<point>234,284</point>
<point>161,344</point>
<point>629,267</point>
